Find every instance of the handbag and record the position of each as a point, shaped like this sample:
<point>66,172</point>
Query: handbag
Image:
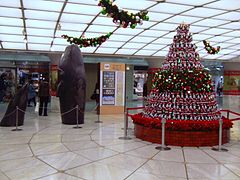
<point>93,96</point>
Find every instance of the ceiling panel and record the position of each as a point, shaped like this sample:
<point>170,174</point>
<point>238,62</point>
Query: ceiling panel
<point>214,20</point>
<point>210,22</point>
<point>231,26</point>
<point>165,26</point>
<point>43,5</point>
<point>203,12</point>
<point>40,24</point>
<point>117,37</point>
<point>73,26</point>
<point>145,52</point>
<point>233,34</point>
<point>10,12</point>
<point>92,2</point>
<point>225,4</point>
<point>10,3</point>
<point>201,37</point>
<point>163,41</point>
<point>229,16</point>
<point>102,20</point>
<point>126,51</point>
<point>128,31</point>
<point>183,19</point>
<point>226,51</point>
<point>197,29</point>
<point>142,39</point>
<point>102,29</point>
<point>145,24</point>
<point>82,9</point>
<point>16,38</point>
<point>158,16</point>
<point>235,46</point>
<point>215,31</point>
<point>41,15</point>
<point>154,46</point>
<point>41,47</point>
<point>112,44</point>
<point>219,39</point>
<point>133,45</point>
<point>170,35</point>
<point>59,33</point>
<point>223,45</point>
<point>76,18</point>
<point>191,2</point>
<point>153,33</point>
<point>40,32</point>
<point>234,40</point>
<point>134,4</point>
<point>11,21</point>
<point>170,8</point>
<point>11,45</point>
<point>40,40</point>
<point>10,30</point>
<point>60,41</point>
<point>58,48</point>
<point>106,50</point>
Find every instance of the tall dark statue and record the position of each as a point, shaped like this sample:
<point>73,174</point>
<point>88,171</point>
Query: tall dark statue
<point>20,99</point>
<point>72,85</point>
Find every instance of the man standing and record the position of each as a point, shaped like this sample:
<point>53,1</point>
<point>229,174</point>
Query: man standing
<point>44,95</point>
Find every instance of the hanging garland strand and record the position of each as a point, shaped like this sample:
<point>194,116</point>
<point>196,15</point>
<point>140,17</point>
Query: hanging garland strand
<point>86,42</point>
<point>210,49</point>
<point>124,18</point>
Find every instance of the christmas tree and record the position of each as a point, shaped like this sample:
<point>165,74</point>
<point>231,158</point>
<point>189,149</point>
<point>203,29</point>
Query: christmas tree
<point>182,88</point>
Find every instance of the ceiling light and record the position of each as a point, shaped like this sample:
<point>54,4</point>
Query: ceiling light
<point>25,40</point>
<point>59,26</point>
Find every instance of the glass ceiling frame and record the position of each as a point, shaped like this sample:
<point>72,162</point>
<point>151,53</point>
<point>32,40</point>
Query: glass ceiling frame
<point>225,22</point>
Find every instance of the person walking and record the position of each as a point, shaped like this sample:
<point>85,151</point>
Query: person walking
<point>31,94</point>
<point>44,96</point>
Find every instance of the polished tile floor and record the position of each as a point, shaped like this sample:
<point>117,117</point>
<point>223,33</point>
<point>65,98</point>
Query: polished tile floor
<point>49,150</point>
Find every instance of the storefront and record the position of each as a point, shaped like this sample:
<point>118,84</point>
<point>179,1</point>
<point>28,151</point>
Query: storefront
<point>16,70</point>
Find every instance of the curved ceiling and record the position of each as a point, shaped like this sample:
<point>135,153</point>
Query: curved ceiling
<point>38,25</point>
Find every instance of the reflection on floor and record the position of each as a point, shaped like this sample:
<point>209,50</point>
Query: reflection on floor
<point>49,150</point>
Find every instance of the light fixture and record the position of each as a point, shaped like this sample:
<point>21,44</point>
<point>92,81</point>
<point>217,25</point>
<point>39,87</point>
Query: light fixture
<point>127,68</point>
<point>59,26</point>
<point>25,40</point>
<point>24,32</point>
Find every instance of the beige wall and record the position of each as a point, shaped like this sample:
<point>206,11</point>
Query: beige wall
<point>91,77</point>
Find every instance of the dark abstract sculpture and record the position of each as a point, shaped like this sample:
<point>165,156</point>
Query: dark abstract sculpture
<point>20,100</point>
<point>72,85</point>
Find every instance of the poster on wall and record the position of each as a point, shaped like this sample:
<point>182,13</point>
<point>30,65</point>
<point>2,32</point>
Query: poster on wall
<point>108,88</point>
<point>231,83</point>
<point>108,79</point>
<point>120,78</point>
<point>108,97</point>
<point>54,79</point>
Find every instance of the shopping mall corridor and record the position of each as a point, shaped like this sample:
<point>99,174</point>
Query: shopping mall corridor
<point>46,149</point>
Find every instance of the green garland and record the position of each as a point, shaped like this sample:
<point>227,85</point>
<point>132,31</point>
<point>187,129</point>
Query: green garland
<point>210,49</point>
<point>182,81</point>
<point>86,42</point>
<point>124,18</point>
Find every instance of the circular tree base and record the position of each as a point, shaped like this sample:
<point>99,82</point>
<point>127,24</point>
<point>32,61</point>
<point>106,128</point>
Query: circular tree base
<point>181,138</point>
